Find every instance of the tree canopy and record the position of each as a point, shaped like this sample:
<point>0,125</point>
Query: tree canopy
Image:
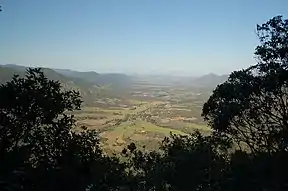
<point>251,107</point>
<point>37,147</point>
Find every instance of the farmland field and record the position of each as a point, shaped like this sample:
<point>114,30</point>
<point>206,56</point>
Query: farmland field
<point>144,114</point>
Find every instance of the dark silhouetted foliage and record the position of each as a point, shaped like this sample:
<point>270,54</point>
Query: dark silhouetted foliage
<point>183,163</point>
<point>37,147</point>
<point>252,106</point>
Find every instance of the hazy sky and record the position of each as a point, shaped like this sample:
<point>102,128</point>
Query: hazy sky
<point>144,36</point>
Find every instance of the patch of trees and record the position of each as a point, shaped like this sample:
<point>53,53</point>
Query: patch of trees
<point>246,151</point>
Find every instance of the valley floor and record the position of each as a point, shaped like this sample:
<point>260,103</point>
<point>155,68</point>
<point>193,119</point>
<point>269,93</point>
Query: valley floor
<point>144,116</point>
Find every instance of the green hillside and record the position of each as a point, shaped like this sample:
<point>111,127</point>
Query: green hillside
<point>89,91</point>
<point>6,74</point>
<point>115,80</point>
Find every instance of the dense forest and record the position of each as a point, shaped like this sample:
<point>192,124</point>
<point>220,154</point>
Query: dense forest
<point>247,149</point>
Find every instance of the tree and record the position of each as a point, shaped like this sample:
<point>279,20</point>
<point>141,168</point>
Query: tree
<point>252,105</point>
<point>258,171</point>
<point>39,149</point>
<point>191,162</point>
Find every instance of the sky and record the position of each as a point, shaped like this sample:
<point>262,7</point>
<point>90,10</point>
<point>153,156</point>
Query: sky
<point>189,37</point>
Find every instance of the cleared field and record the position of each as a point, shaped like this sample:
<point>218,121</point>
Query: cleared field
<point>147,126</point>
<point>137,130</point>
<point>198,127</point>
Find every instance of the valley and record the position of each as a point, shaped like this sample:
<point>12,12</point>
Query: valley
<point>145,114</point>
<point>140,109</point>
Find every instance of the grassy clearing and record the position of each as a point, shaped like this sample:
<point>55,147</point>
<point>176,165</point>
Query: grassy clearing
<point>137,102</point>
<point>128,129</point>
<point>146,126</point>
<point>198,127</point>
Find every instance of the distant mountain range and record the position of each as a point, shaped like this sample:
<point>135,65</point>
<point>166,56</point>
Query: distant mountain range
<point>113,79</point>
<point>209,80</point>
<point>116,80</point>
<point>92,84</point>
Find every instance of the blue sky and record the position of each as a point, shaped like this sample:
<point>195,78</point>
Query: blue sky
<point>144,36</point>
